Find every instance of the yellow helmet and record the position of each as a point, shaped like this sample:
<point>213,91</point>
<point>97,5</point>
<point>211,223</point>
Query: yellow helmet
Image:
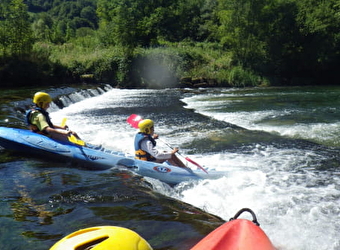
<point>103,238</point>
<point>145,126</point>
<point>41,97</point>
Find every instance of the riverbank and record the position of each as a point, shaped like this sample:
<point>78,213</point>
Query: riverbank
<point>168,65</point>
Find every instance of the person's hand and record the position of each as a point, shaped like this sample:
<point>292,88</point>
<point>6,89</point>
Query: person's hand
<point>69,132</point>
<point>175,150</point>
<point>155,136</point>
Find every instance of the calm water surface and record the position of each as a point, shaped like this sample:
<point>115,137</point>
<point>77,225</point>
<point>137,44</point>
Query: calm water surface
<point>277,150</point>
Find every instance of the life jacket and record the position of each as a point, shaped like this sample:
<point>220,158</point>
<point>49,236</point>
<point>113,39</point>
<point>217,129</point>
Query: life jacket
<point>33,127</point>
<point>139,153</point>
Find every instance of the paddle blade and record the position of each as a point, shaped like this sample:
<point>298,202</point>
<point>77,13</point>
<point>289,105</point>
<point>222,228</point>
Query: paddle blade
<point>195,163</point>
<point>63,122</point>
<point>74,140</point>
<point>133,120</point>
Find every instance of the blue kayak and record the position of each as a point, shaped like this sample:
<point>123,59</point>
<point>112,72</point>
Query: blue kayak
<point>25,141</point>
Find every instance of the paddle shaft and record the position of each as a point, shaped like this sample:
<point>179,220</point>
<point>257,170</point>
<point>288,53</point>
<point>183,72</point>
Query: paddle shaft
<point>185,157</point>
<point>71,137</point>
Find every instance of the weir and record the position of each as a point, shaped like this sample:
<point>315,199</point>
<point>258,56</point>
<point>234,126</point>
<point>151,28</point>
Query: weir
<point>13,113</point>
<point>65,100</point>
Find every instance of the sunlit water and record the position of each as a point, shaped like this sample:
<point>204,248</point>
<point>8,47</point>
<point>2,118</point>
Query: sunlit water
<point>277,150</point>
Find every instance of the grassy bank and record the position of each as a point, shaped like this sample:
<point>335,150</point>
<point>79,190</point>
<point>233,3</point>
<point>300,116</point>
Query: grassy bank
<point>167,65</point>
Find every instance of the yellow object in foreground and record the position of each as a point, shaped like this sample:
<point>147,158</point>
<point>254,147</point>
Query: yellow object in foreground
<point>103,238</point>
<point>63,122</point>
<point>74,139</point>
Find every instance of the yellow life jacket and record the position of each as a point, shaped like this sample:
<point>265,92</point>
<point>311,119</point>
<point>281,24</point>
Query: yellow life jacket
<point>139,153</point>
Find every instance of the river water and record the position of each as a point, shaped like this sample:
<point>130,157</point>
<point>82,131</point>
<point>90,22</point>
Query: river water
<point>276,151</point>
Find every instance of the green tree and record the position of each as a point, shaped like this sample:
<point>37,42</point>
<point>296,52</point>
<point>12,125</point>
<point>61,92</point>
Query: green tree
<point>16,36</point>
<point>240,28</point>
<point>302,39</point>
<point>64,18</point>
<point>89,13</point>
<point>319,23</point>
<point>42,27</point>
<point>142,23</point>
<point>282,37</point>
<point>126,22</point>
<point>180,20</point>
<point>208,27</point>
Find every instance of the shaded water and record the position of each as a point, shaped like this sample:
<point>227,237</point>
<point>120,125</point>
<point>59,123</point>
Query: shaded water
<point>277,147</point>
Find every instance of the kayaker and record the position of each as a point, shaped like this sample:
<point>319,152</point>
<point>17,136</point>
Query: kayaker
<point>40,122</point>
<point>145,146</point>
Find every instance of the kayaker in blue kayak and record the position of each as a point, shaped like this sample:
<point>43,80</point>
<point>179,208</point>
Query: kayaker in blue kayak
<point>145,146</point>
<point>40,122</point>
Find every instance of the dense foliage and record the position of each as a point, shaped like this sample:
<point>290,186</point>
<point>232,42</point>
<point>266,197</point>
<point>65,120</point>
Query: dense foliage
<point>126,42</point>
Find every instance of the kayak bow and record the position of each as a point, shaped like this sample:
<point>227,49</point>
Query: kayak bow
<point>237,234</point>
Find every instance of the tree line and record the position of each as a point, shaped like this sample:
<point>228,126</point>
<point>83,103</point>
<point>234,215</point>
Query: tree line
<point>272,41</point>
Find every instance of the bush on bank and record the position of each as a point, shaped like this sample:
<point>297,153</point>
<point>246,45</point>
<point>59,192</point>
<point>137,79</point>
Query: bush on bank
<point>183,64</point>
<point>167,65</point>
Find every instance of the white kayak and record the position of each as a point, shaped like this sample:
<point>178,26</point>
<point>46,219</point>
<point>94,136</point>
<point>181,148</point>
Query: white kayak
<point>25,141</point>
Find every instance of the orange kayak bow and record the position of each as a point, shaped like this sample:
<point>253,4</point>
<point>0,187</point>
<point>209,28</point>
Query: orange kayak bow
<point>237,234</point>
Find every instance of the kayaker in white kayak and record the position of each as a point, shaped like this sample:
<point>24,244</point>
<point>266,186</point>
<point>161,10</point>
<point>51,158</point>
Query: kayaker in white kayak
<point>40,122</point>
<point>145,146</point>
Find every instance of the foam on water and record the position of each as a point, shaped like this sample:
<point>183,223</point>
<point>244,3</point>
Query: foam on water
<point>297,209</point>
<point>106,129</point>
<point>296,204</point>
<point>270,120</point>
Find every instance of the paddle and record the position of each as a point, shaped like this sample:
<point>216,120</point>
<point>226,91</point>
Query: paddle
<point>185,157</point>
<point>134,119</point>
<point>72,138</point>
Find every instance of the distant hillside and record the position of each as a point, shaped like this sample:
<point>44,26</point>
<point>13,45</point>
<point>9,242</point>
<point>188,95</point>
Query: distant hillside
<point>73,13</point>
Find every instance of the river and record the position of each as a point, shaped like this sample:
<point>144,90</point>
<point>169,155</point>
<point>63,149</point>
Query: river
<point>277,150</point>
